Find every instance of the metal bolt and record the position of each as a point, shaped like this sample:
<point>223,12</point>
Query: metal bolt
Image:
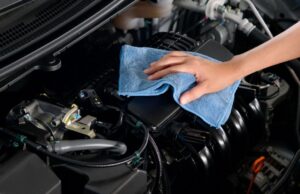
<point>27,117</point>
<point>82,94</point>
<point>15,144</point>
<point>221,9</point>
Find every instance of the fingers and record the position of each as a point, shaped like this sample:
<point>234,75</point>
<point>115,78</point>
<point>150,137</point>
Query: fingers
<point>177,54</point>
<point>162,73</point>
<point>180,68</point>
<point>164,63</point>
<point>194,93</point>
<point>172,58</point>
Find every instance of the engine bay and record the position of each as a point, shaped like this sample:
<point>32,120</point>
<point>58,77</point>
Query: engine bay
<point>69,131</point>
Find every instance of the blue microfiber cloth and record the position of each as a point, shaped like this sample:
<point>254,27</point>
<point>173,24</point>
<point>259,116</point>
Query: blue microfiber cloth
<point>214,108</point>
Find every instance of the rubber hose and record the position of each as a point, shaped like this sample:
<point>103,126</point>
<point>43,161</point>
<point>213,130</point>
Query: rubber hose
<point>159,173</point>
<point>258,35</point>
<point>40,149</point>
<point>65,146</point>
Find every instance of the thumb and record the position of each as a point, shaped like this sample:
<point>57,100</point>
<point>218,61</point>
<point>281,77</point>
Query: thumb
<point>194,93</point>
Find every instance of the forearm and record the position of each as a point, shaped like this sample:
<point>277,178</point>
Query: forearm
<point>284,47</point>
<point>212,77</point>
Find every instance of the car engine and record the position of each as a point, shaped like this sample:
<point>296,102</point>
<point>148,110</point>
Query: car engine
<point>65,129</point>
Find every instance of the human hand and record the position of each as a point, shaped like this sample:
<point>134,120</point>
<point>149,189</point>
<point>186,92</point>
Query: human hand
<point>210,76</point>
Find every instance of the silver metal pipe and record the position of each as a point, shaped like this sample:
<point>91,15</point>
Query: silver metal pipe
<point>64,146</point>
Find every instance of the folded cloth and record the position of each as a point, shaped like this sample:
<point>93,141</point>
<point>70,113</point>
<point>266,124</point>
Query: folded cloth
<point>213,108</point>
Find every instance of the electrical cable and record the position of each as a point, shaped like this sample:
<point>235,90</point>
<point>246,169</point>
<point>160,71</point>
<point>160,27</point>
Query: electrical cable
<point>112,127</point>
<point>42,150</point>
<point>297,122</point>
<point>257,166</point>
<point>287,173</point>
<point>157,156</point>
<point>166,184</point>
<point>159,173</point>
<point>121,116</point>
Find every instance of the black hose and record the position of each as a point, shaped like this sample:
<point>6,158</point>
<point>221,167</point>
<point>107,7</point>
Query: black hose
<point>166,184</point>
<point>42,150</point>
<point>159,173</point>
<point>158,184</point>
<point>121,115</point>
<point>258,36</point>
<point>297,122</point>
<point>119,123</point>
<point>287,173</point>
